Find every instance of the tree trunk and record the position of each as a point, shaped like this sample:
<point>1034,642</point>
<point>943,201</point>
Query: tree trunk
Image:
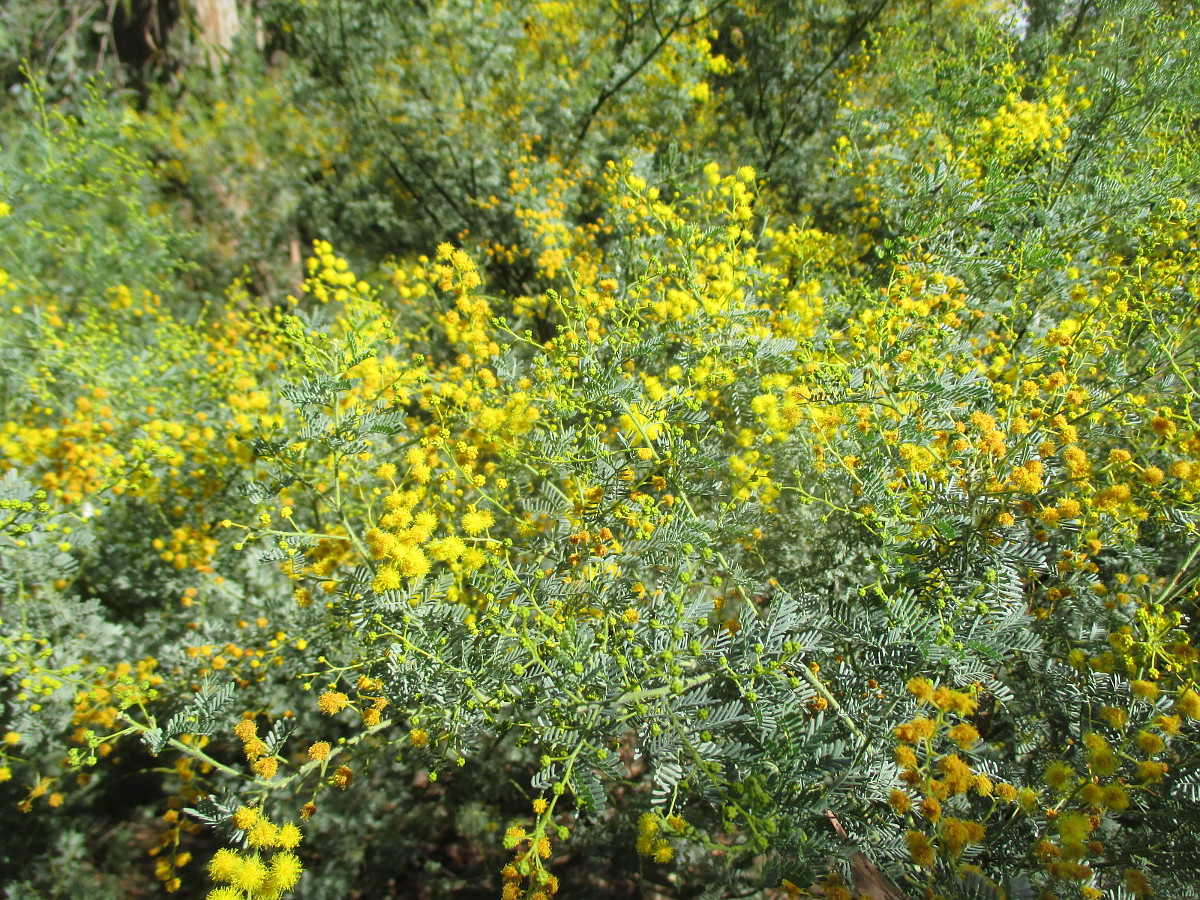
<point>217,24</point>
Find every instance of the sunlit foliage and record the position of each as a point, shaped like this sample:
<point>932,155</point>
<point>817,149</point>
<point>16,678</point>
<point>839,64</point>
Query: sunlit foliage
<point>697,448</point>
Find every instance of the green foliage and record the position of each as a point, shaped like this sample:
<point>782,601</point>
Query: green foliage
<point>83,204</point>
<point>737,436</point>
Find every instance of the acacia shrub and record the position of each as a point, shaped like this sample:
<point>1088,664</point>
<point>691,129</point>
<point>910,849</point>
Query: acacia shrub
<point>626,574</point>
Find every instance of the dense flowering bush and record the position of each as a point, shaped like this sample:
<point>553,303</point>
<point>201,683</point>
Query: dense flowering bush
<point>709,450</point>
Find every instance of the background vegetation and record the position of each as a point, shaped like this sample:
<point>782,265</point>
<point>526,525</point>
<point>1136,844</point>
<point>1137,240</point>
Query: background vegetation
<point>652,448</point>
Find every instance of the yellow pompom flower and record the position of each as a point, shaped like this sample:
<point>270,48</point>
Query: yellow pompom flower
<point>254,748</point>
<point>921,689</point>
<point>245,817</point>
<point>1092,794</point>
<point>1167,724</point>
<point>1114,716</point>
<point>959,832</point>
<point>386,579</point>
<point>224,865</point>
<point>1059,776</point>
<point>251,873</point>
<point>949,700</point>
<point>648,824</point>
<point>919,848</point>
<point>476,521</point>
<point>411,561</point>
<point>1147,690</point>
<point>1151,771</point>
<point>983,785</point>
<point>1150,743</point>
<point>1189,704</point>
<point>332,702</point>
<point>918,729</point>
<point>1027,799</point>
<point>285,870</point>
<point>958,777</point>
<point>965,735</point>
<point>262,834</point>
<point>1100,755</point>
<point>447,549</point>
<point>289,836</point>
<point>1073,826</point>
